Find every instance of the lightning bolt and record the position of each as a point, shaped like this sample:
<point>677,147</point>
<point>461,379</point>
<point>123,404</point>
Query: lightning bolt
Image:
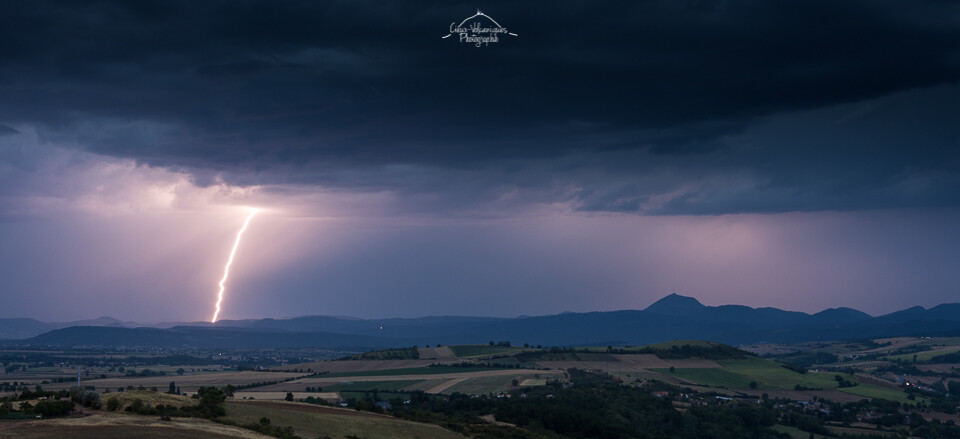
<point>226,270</point>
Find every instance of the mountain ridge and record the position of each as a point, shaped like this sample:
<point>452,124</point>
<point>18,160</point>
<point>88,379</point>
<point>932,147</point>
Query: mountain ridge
<point>672,317</point>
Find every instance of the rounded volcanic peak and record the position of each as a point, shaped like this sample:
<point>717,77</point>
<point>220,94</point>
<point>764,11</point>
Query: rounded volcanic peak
<point>676,305</point>
<point>946,311</point>
<point>842,314</point>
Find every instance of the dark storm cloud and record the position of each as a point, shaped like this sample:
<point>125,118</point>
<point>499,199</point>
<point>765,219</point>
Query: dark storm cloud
<point>306,92</point>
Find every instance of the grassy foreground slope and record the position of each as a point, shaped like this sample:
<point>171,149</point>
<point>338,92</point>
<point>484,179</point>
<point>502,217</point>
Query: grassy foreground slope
<point>311,421</point>
<point>109,425</point>
<point>307,421</point>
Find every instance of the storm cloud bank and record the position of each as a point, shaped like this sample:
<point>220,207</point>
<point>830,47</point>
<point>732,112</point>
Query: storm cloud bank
<point>665,107</point>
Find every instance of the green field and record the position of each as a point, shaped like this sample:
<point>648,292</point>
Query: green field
<point>715,377</point>
<point>478,351</point>
<point>874,391</point>
<point>408,371</point>
<point>308,423</point>
<point>923,356</point>
<point>767,374</point>
<point>361,386</point>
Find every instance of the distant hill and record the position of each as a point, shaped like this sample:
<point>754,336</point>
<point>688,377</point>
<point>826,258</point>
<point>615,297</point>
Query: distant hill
<point>190,336</point>
<point>25,328</point>
<point>22,328</point>
<point>673,317</point>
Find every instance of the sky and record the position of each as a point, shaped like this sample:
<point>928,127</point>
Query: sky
<point>596,156</point>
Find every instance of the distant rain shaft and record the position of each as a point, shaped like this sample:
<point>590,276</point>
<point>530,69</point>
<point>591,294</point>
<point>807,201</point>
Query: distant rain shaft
<point>226,270</point>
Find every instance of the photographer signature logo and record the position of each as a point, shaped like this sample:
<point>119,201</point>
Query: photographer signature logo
<point>478,29</point>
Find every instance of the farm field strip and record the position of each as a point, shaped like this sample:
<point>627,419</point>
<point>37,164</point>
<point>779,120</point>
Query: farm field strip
<point>362,386</point>
<point>943,341</point>
<point>636,362</point>
<point>482,385</point>
<point>442,353</point>
<point>440,388</point>
<point>277,396</point>
<point>895,343</point>
<point>438,370</point>
<point>591,365</point>
<point>939,368</point>
<point>323,381</point>
<point>424,385</point>
<point>479,351</point>
<point>358,365</point>
<point>805,395</point>
<point>209,379</point>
